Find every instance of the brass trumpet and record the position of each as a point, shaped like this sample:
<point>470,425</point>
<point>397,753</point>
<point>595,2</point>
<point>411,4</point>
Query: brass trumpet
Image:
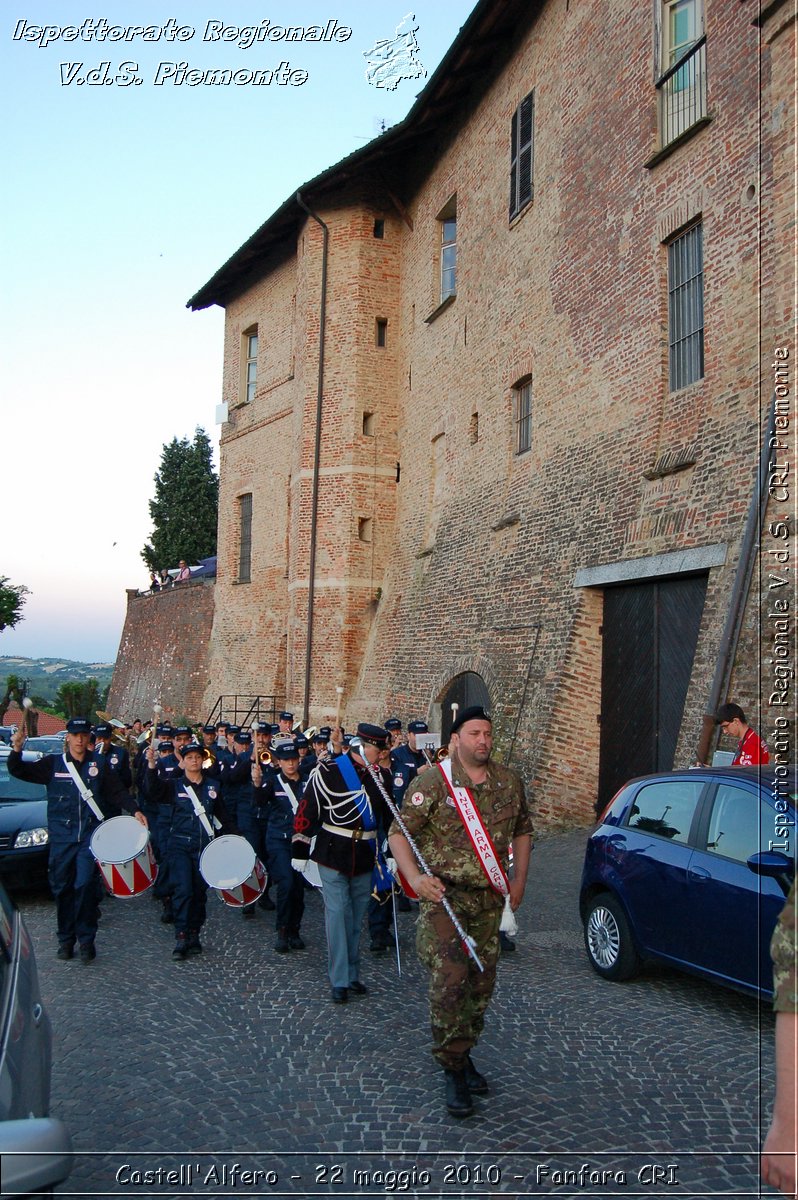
<point>265,758</point>
<point>208,758</point>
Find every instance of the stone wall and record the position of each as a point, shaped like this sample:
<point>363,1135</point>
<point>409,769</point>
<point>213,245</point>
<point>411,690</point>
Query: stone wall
<point>164,654</point>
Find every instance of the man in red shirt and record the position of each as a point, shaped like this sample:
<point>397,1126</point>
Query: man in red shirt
<point>751,750</point>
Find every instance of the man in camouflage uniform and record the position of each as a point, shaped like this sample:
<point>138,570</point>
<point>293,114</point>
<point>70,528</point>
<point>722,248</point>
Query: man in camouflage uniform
<point>459,992</point>
<point>779,1151</point>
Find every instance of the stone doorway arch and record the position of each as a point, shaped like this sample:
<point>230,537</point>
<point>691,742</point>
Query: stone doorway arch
<point>465,690</point>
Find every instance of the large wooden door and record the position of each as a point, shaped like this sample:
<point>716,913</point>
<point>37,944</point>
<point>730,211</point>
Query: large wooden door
<point>650,635</point>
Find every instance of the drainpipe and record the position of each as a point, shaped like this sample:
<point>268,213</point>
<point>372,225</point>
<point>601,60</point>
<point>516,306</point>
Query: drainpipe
<point>314,504</point>
<point>740,589</point>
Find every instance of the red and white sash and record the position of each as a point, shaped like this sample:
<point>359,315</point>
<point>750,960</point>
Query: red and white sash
<point>480,838</point>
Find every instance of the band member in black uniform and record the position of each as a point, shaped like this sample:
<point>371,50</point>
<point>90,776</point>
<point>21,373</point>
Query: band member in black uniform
<point>342,806</point>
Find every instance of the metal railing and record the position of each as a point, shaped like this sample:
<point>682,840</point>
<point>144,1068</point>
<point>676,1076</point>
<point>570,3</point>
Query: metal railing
<point>683,93</point>
<point>244,710</point>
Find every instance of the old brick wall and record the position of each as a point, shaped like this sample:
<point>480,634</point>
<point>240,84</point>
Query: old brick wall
<point>164,653</point>
<point>474,551</point>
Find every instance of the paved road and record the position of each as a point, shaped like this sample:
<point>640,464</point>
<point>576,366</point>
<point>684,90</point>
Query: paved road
<point>238,1057</point>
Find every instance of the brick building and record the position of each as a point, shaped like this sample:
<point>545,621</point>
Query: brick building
<point>497,387</point>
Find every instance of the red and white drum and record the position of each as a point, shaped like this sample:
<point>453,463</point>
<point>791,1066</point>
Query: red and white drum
<point>124,855</point>
<point>231,867</point>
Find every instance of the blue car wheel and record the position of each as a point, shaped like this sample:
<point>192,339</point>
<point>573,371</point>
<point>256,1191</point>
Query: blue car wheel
<point>608,939</point>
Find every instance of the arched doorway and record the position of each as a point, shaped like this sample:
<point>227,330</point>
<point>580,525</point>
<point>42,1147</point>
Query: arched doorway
<point>464,690</point>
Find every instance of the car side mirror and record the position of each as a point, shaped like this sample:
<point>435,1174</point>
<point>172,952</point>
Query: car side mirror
<point>774,865</point>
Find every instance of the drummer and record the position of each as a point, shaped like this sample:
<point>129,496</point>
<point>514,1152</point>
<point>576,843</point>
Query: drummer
<point>188,836</point>
<point>71,820</point>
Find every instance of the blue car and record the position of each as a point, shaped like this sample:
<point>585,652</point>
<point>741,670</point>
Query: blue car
<point>692,868</point>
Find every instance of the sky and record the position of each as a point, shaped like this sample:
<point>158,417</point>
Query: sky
<point>121,199</point>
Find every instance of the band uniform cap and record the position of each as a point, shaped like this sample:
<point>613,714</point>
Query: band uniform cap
<point>373,735</point>
<point>103,730</point>
<point>78,725</point>
<point>418,727</point>
<point>243,737</point>
<point>165,746</point>
<point>232,730</point>
<point>286,716</point>
<point>182,730</point>
<point>262,727</point>
<point>285,750</point>
<point>319,737</point>
<point>192,748</point>
<point>301,742</point>
<point>325,732</point>
<point>393,723</point>
<point>209,729</point>
<point>475,713</point>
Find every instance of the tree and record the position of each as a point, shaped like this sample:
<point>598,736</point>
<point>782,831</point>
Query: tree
<point>12,597</point>
<point>186,503</point>
<point>14,690</point>
<point>78,699</point>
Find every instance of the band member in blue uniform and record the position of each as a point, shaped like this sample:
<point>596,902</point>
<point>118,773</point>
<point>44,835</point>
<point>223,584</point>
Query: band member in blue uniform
<point>117,756</point>
<point>279,796</point>
<point>189,834</point>
<point>71,821</point>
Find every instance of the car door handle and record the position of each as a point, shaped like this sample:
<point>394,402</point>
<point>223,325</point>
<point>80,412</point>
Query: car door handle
<point>699,874</point>
<point>38,1013</point>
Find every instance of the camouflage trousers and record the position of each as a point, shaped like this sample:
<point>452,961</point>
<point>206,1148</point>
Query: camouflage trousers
<point>459,992</point>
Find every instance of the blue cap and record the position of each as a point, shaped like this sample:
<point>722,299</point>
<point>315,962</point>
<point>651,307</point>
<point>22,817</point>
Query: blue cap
<point>165,746</point>
<point>286,716</point>
<point>418,727</point>
<point>103,730</point>
<point>301,742</point>
<point>78,725</point>
<point>192,748</point>
<point>286,750</point>
<point>209,729</point>
<point>393,723</point>
<point>243,737</point>
<point>262,727</point>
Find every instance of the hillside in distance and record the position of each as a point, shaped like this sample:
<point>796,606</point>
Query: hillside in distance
<point>45,675</point>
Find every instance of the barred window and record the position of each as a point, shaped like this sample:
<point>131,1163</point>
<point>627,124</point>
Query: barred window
<point>686,309</point>
<point>522,147</point>
<point>245,538</point>
<point>523,417</point>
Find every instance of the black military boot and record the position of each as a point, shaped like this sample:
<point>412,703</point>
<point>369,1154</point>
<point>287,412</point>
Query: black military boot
<point>477,1083</point>
<point>193,944</point>
<point>180,952</point>
<point>458,1097</point>
<point>282,945</point>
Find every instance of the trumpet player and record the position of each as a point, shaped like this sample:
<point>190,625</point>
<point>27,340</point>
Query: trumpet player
<point>117,757</point>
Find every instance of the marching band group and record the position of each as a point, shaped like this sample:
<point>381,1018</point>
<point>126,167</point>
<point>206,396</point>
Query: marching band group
<point>272,809</point>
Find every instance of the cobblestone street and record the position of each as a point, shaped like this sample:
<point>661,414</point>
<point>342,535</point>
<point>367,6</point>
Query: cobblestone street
<point>236,1061</point>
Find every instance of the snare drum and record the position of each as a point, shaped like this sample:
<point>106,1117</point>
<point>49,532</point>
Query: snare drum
<point>124,855</point>
<point>231,867</point>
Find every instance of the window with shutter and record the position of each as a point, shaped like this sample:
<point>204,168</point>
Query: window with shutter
<point>522,139</point>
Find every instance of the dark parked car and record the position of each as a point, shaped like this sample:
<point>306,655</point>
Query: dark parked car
<point>24,841</point>
<point>692,868</point>
<point>36,1151</point>
<point>45,744</point>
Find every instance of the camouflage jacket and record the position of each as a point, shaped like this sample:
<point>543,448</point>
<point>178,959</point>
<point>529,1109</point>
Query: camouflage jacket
<point>435,825</point>
<point>783,951</point>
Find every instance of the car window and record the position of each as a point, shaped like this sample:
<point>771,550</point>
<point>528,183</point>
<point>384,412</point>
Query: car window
<point>734,823</point>
<point>16,789</point>
<point>666,808</point>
